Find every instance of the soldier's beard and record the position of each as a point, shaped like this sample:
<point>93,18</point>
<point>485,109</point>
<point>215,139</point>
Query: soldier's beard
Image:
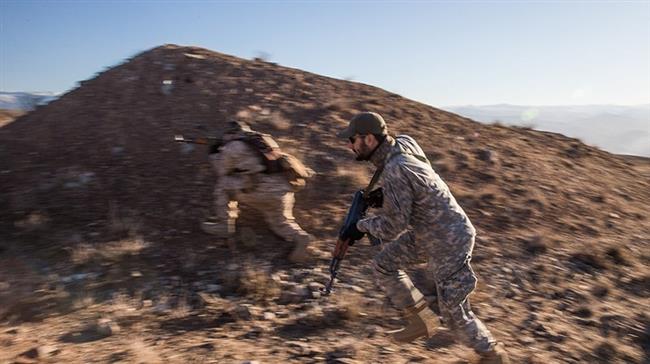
<point>363,153</point>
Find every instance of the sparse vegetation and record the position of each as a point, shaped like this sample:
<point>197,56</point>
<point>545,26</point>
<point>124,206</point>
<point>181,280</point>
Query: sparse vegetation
<point>561,249</point>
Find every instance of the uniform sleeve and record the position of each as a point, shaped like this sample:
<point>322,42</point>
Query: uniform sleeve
<point>398,204</point>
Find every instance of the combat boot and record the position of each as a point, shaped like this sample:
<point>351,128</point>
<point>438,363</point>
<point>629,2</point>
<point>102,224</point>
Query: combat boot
<point>421,322</point>
<point>217,229</point>
<point>497,355</point>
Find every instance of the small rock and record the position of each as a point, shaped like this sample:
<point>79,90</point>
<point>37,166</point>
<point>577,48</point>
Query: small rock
<point>107,327</point>
<point>207,346</point>
<point>48,350</point>
<point>315,286</point>
<point>31,353</point>
<point>525,340</point>
<point>372,330</point>
<point>269,316</point>
<point>243,312</point>
<point>358,289</point>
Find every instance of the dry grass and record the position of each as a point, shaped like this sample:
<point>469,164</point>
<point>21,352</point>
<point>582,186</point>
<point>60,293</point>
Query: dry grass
<point>350,306</point>
<point>122,223</point>
<point>351,176</point>
<point>112,251</point>
<point>33,221</point>
<point>258,284</point>
<point>144,353</point>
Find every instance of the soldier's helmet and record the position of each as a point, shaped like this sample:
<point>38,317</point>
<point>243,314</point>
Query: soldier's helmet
<point>365,123</point>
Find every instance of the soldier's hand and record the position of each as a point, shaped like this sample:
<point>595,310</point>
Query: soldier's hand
<point>352,234</point>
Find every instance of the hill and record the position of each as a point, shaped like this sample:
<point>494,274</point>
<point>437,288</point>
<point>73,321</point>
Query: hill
<point>102,258</point>
<point>7,116</point>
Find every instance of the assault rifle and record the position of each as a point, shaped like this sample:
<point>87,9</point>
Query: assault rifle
<point>358,208</point>
<point>213,141</point>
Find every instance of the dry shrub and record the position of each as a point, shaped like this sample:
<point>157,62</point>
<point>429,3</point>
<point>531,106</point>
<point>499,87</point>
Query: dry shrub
<point>348,176</point>
<point>143,353</point>
<point>605,352</point>
<point>534,245</point>
<point>617,256</point>
<point>120,223</point>
<point>349,306</point>
<point>337,105</point>
<point>600,291</point>
<point>257,284</point>
<point>33,221</point>
<point>586,262</point>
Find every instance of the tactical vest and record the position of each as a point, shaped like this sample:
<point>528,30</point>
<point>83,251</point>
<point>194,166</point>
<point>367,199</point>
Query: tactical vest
<point>273,158</point>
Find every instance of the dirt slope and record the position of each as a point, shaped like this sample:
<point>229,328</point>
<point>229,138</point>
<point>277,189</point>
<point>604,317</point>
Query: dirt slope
<point>101,258</point>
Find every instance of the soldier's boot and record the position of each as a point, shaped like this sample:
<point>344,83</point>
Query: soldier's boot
<point>497,355</point>
<point>422,322</point>
<point>217,229</point>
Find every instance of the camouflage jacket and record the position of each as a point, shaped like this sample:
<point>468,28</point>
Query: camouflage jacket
<point>240,166</point>
<point>237,165</point>
<point>417,200</point>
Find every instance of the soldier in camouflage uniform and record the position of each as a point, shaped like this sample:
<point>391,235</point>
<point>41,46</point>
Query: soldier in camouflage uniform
<point>419,218</point>
<point>243,178</point>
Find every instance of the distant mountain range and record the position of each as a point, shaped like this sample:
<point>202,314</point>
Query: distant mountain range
<point>24,100</point>
<point>616,129</point>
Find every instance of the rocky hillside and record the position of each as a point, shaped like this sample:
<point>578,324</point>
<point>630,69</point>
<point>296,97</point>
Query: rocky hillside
<point>101,257</point>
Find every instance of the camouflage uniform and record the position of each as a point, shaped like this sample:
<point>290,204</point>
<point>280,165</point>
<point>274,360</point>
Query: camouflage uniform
<point>421,219</point>
<point>242,179</point>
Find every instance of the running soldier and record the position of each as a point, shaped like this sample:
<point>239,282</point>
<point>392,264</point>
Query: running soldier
<point>419,218</point>
<point>252,171</point>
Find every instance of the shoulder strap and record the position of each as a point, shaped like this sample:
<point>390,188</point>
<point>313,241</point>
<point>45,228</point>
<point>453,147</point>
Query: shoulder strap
<point>378,172</point>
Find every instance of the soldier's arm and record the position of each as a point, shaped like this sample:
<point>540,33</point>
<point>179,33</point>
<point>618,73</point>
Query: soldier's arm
<point>397,208</point>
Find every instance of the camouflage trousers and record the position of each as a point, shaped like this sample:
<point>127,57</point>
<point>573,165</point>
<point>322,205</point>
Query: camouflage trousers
<point>272,196</point>
<point>451,293</point>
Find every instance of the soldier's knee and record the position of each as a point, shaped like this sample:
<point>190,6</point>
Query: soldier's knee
<point>381,272</point>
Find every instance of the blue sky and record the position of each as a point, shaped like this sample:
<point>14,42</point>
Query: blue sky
<point>442,53</point>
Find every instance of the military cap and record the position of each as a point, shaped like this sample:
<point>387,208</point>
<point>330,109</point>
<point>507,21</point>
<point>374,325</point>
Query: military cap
<point>365,123</point>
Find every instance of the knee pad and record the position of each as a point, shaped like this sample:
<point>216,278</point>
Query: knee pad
<point>381,270</point>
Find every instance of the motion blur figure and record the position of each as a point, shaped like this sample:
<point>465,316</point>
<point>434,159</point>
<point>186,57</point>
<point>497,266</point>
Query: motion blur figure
<point>251,170</point>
